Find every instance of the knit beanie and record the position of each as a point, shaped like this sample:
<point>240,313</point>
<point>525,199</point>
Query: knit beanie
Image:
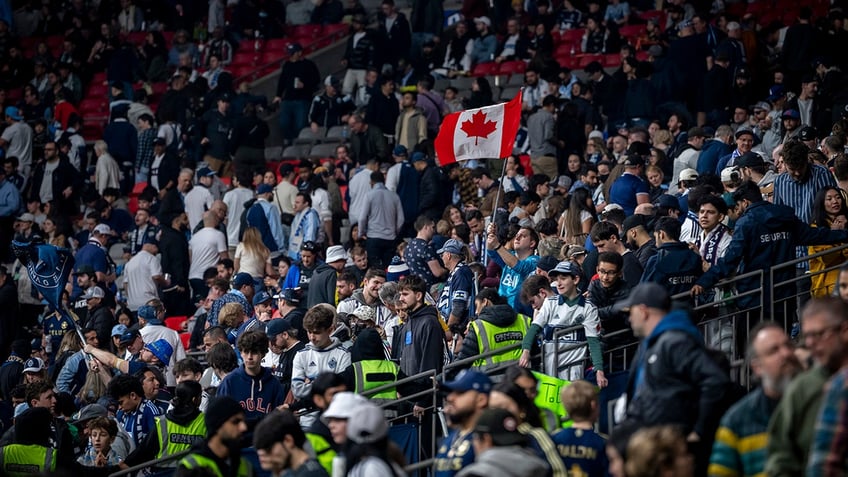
<point>396,270</point>
<point>219,410</point>
<point>33,426</point>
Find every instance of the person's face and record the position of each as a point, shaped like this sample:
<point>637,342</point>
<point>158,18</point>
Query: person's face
<point>50,151</point>
<point>574,163</point>
<point>476,226</point>
<point>270,178</point>
<point>253,360</point>
<point>608,245</point>
<point>775,362</point>
<point>232,430</point>
<point>408,299</point>
<point>223,272</point>
<point>341,154</point>
<point>361,261</point>
<point>345,289</point>
<point>307,258</point>
<point>523,241</point>
<point>809,89</point>
<point>208,342</point>
<point>184,182</point>
<point>673,124</point>
<point>372,287</point>
<point>187,376</point>
<point>833,202</point>
<point>797,173</point>
<point>47,399</point>
<point>590,179</point>
<point>608,274</point>
<point>791,124</point>
<point>744,143</point>
<point>531,78</point>
<point>824,338</point>
<point>843,286</point>
<point>407,101</point>
<point>141,218</point>
<point>455,216</point>
<point>565,284</point>
<point>282,268</point>
<point>461,406</point>
<point>709,217</point>
<point>638,318</point>
<point>277,458</point>
<point>318,338</point>
<point>619,144</point>
<point>91,339</point>
<point>150,385</point>
<point>616,462</point>
<point>338,429</point>
<point>299,204</point>
<point>101,441</point>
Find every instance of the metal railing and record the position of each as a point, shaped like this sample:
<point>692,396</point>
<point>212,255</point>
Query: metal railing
<point>152,463</point>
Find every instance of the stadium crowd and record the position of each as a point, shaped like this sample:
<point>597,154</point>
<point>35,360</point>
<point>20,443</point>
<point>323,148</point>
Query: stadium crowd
<point>305,317</point>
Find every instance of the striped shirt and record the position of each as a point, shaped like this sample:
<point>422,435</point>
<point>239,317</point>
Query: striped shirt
<point>829,452</point>
<point>140,422</point>
<point>800,196</point>
<point>740,447</point>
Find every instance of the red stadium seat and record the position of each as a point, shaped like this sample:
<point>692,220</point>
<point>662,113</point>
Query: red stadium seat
<point>185,338</point>
<point>336,31</point>
<point>483,69</point>
<point>612,60</point>
<point>586,59</point>
<point>306,31</point>
<point>512,67</point>
<point>631,31</point>
<point>573,36</point>
<point>138,189</point>
<point>176,323</point>
<point>277,44</point>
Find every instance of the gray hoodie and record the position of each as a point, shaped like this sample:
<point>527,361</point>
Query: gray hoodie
<point>508,461</point>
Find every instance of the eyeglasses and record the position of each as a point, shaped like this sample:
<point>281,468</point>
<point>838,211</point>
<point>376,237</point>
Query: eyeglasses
<point>821,334</point>
<point>607,272</point>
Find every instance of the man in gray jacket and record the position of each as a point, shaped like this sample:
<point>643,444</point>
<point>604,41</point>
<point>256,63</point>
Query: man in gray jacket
<point>380,221</point>
<point>540,131</point>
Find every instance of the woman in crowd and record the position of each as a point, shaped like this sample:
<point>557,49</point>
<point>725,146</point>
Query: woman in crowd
<point>829,210</point>
<point>453,215</point>
<point>576,222</point>
<point>252,256</point>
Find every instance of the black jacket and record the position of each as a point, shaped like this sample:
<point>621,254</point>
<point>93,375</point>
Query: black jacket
<point>419,344</point>
<point>305,71</point>
<point>363,56</point>
<point>382,111</point>
<point>63,177</point>
<point>675,266</point>
<point>395,43</point>
<point>101,319</point>
<point>429,202</point>
<point>680,383</point>
<point>611,322</point>
<point>249,131</point>
<point>327,111</point>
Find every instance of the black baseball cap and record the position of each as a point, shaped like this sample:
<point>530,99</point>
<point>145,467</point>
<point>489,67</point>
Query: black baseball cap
<point>652,295</point>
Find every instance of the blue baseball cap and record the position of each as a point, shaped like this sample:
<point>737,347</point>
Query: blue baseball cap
<point>148,313</point>
<point>565,268</point>
<point>119,330</point>
<point>264,189</point>
<point>468,380</point>
<point>290,295</point>
<point>261,297</point>
<point>241,279</point>
<point>453,246</point>
<point>277,326</point>
<point>400,150</point>
<point>417,156</point>
<point>14,113</point>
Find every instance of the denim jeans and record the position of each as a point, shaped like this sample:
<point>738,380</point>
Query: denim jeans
<point>293,117</point>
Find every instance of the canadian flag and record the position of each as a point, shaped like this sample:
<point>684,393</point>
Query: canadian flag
<point>482,133</point>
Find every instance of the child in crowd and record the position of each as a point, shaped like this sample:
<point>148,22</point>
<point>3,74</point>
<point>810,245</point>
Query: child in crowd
<point>101,434</point>
<point>581,448</point>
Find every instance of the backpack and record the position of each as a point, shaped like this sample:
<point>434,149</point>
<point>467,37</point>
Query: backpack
<point>243,225</point>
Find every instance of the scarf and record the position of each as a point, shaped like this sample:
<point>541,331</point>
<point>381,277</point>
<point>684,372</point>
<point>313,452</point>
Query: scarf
<point>709,249</point>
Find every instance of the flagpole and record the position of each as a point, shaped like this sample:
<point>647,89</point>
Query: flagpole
<point>495,206</point>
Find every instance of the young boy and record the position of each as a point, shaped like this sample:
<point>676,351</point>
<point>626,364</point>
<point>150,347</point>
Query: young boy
<point>581,448</point>
<point>190,369</point>
<point>567,310</point>
<point>323,353</point>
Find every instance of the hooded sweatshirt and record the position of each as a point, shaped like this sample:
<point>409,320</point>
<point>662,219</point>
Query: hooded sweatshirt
<point>258,395</point>
<point>322,286</point>
<point>312,361</point>
<point>507,461</point>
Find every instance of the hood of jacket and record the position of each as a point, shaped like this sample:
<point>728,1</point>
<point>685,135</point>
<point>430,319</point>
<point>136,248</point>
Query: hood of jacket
<point>334,343</point>
<point>509,461</point>
<point>498,315</point>
<point>183,415</point>
<point>250,386</point>
<point>323,269</point>
<point>677,320</point>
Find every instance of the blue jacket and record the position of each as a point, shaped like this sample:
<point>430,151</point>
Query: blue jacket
<point>712,151</point>
<point>258,395</point>
<point>266,218</point>
<point>407,190</point>
<point>675,266</point>
<point>122,139</point>
<point>766,234</point>
<point>675,381</point>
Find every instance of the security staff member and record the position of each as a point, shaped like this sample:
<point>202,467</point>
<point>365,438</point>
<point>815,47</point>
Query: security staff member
<point>31,453</point>
<point>497,326</point>
<point>369,367</point>
<point>764,234</point>
<point>225,427</point>
<point>675,266</point>
<point>177,431</point>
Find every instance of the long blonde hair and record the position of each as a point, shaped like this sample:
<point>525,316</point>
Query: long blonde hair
<point>252,242</point>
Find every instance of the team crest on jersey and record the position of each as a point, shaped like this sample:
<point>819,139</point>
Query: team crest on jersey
<point>332,364</point>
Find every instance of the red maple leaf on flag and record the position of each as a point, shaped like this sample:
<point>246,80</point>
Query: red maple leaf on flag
<point>479,126</point>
